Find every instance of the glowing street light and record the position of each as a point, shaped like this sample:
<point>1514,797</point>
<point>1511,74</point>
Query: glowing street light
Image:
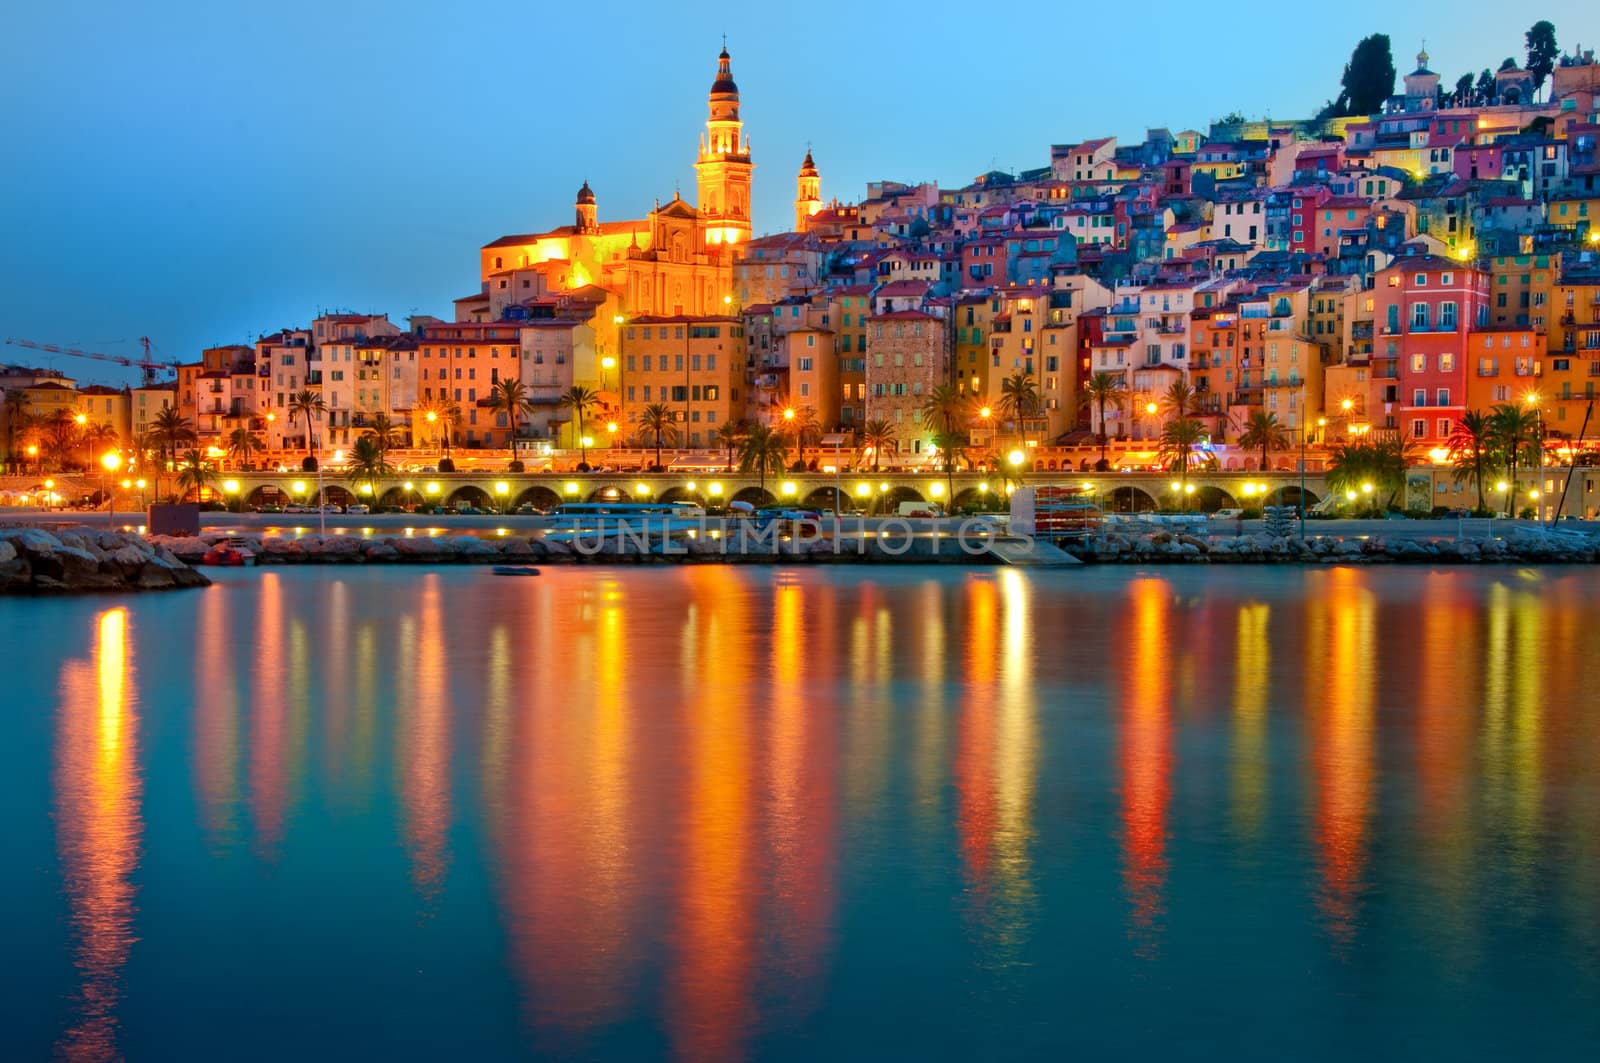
<point>81,419</point>
<point>641,489</point>
<point>790,489</point>
<point>863,490</point>
<point>1016,458</point>
<point>588,441</point>
<point>608,362</point>
<point>788,413</point>
<point>985,413</point>
<point>714,489</point>
<point>1347,405</point>
<point>611,427</point>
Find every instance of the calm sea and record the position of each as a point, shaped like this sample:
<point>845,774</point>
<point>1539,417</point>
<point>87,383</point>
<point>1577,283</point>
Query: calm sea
<point>710,813</point>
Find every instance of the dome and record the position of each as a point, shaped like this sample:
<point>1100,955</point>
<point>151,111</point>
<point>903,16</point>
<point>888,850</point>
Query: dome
<point>585,194</point>
<point>808,168</point>
<point>724,85</point>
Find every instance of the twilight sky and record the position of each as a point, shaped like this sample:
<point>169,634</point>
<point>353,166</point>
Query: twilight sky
<point>204,172</point>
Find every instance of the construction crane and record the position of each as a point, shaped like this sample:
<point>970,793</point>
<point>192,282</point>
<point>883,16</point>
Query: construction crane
<point>148,368</point>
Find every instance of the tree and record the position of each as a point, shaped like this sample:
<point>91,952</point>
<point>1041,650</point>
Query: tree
<point>1463,96</point>
<point>1263,430</point>
<point>17,419</point>
<point>763,451</point>
<point>879,436</point>
<point>1471,444</point>
<point>1104,388</point>
<point>658,419</point>
<point>1514,430</point>
<point>305,405</point>
<point>1178,440</point>
<point>729,435</point>
<point>194,475</point>
<point>1019,400</point>
<point>805,426</point>
<point>383,432</point>
<point>1234,117</point>
<point>1542,51</point>
<point>171,431</point>
<point>1373,466</point>
<point>510,397</point>
<point>580,400</point>
<point>244,444</point>
<point>1485,89</point>
<point>1508,63</point>
<point>96,439</point>
<point>1368,77</point>
<point>368,463</point>
<point>950,445</point>
<point>1178,398</point>
<point>945,408</point>
<point>439,412</point>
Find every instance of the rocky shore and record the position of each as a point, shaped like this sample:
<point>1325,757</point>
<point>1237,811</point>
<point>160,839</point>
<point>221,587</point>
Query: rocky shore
<point>1160,546</point>
<point>66,561</point>
<point>1516,544</point>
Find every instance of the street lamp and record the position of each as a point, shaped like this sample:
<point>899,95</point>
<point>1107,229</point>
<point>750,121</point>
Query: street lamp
<point>502,489</point>
<point>33,452</point>
<point>230,488</point>
<point>112,461</point>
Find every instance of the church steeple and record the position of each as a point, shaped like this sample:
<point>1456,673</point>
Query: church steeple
<point>723,168</point>
<point>808,194</point>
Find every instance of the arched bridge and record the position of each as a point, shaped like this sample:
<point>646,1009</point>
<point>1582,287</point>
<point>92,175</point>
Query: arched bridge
<point>855,490</point>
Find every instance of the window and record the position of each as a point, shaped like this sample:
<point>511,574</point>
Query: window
<point>1442,395</point>
<point>1419,396</point>
<point>1419,363</point>
<point>1419,428</point>
<point>1419,316</point>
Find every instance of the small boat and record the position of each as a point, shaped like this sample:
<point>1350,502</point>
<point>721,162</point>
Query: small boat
<point>224,555</point>
<point>515,570</point>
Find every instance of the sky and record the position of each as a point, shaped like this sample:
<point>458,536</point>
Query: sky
<point>203,173</point>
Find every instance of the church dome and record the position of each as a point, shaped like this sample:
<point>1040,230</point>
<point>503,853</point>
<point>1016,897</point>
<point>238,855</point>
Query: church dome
<point>808,168</point>
<point>585,194</point>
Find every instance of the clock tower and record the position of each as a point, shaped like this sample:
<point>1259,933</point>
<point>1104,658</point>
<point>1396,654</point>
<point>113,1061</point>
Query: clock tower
<point>723,168</point>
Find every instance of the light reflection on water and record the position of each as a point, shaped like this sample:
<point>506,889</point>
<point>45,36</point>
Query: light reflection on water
<point>723,813</point>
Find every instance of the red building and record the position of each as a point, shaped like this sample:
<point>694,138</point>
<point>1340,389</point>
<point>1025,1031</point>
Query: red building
<point>1425,308</point>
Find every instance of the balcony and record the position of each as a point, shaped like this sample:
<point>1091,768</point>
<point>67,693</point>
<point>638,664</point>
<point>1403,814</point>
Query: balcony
<point>1361,330</point>
<point>1594,368</point>
<point>1488,370</point>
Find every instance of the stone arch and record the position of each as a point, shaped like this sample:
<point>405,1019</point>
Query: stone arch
<point>1129,499</point>
<point>973,498</point>
<point>889,501</point>
<point>1208,498</point>
<point>827,498</point>
<point>682,493</point>
<point>397,496</point>
<point>337,494</point>
<point>266,494</point>
<point>608,493</point>
<point>539,497</point>
<point>1289,495</point>
<point>470,494</point>
<point>756,496</point>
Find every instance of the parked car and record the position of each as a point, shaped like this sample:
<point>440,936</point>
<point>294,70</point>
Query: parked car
<point>269,508</point>
<point>330,507</point>
<point>1227,514</point>
<point>296,507</point>
<point>470,511</point>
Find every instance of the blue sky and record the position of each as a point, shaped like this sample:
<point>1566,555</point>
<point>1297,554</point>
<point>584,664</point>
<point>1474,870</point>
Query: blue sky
<point>202,173</point>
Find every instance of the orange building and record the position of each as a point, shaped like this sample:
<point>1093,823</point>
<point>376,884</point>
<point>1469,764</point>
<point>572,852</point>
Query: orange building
<point>693,365</point>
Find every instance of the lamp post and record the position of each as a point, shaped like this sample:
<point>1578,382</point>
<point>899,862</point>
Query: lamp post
<point>33,452</point>
<point>111,460</point>
<point>1151,409</point>
<point>1532,398</point>
<point>788,420</point>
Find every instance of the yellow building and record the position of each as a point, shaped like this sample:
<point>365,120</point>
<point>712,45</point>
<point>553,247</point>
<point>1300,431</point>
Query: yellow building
<point>675,261</point>
<point>1521,288</point>
<point>109,406</point>
<point>694,365</point>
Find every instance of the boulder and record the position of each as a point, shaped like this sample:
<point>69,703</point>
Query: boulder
<point>382,552</point>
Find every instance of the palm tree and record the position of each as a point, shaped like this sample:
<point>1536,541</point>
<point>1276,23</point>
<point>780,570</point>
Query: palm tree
<point>305,405</point>
<point>1263,430</point>
<point>807,427</point>
<point>1178,398</point>
<point>1471,444</point>
<point>17,419</point>
<point>171,431</point>
<point>1019,400</point>
<point>384,432</point>
<point>580,400</point>
<point>97,438</point>
<point>368,464</point>
<point>1373,465</point>
<point>879,435</point>
<point>437,411</point>
<point>60,437</point>
<point>657,418</point>
<point>243,445</point>
<point>1105,388</point>
<point>729,436</point>
<point>1178,440</point>
<point>763,451</point>
<point>193,475</point>
<point>1514,430</point>
<point>510,397</point>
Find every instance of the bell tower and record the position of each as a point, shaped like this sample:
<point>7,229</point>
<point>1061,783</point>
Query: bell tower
<point>588,217</point>
<point>723,168</point>
<point>807,194</point>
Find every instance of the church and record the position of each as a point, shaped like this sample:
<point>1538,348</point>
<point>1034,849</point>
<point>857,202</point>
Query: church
<point>676,260</point>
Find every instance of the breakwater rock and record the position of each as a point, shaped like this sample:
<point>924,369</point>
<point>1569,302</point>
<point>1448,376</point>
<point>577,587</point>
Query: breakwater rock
<point>69,560</point>
<point>1517,543</point>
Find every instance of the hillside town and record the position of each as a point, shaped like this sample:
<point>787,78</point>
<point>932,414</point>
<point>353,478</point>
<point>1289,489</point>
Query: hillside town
<point>1275,284</point>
